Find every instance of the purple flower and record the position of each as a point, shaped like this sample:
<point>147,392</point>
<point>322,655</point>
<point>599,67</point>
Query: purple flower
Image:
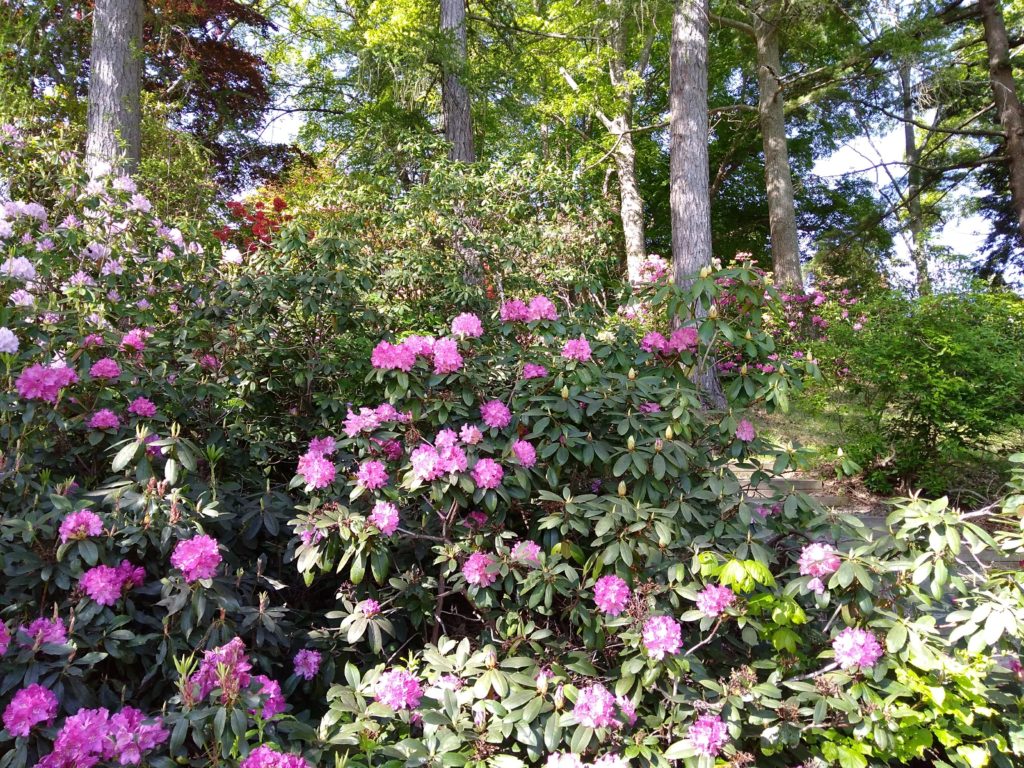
<point>368,607</point>
<point>662,637</point>
<point>467,325</point>
<point>105,368</point>
<point>103,584</point>
<point>856,648</point>
<point>595,707</point>
<point>232,658</point>
<point>197,558</point>
<point>534,371</point>
<point>478,569</point>
<point>307,663</point>
<point>398,689</point>
<point>446,357</point>
<point>274,704</point>
<point>487,473</point>
<point>372,475</point>
<point>577,349</point>
<point>525,452</point>
<point>268,757</point>
<point>611,594</point>
<point>495,414</point>
<point>708,735</point>
<point>44,632</point>
<point>80,525</point>
<point>745,431</point>
<point>30,706</point>
<point>385,517</point>
<point>142,407</point>
<point>713,599</point>
<point>104,419</point>
<point>5,638</point>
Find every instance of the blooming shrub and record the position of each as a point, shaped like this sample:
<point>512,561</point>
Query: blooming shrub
<point>523,544</point>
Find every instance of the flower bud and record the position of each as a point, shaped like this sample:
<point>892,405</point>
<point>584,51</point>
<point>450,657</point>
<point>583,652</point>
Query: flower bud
<point>705,272</point>
<point>630,443</point>
<point>632,374</point>
<point>658,445</point>
<point>565,392</point>
<point>749,335</point>
<point>559,698</point>
<point>743,370</point>
<point>713,312</point>
<point>479,716</point>
<point>622,488</point>
<point>490,659</point>
<point>542,681</point>
<point>669,434</point>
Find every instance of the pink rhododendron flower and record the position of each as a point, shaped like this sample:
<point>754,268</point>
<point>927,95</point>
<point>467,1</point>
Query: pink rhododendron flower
<point>595,707</point>
<point>398,689</point>
<point>470,434</point>
<point>708,735</point>
<point>5,638</point>
<point>662,637</point>
<point>322,445</point>
<point>856,648</point>
<point>135,339</point>
<point>368,607</point>
<point>419,345</point>
<point>541,308</point>
<point>526,550</point>
<point>525,453</point>
<point>232,657</point>
<point>446,357</point>
<point>478,569</point>
<point>40,383</point>
<point>476,519</point>
<point>30,706</point>
<point>8,341</point>
<point>653,342</point>
<point>745,431</point>
<point>577,349</point>
<point>372,475</point>
<point>307,663</point>
<point>80,525</point>
<point>267,757</point>
<point>487,473</point>
<point>43,632</point>
<point>681,340</point>
<point>514,311</point>
<point>534,371</point>
<point>104,419</point>
<point>130,736</point>
<point>713,599</point>
<point>387,357</point>
<point>650,408</point>
<point>105,368</point>
<point>563,760</point>
<point>495,414</point>
<point>143,407</point>
<point>316,470</point>
<point>611,594</point>
<point>627,709</point>
<point>197,558</point>
<point>385,517</point>
<point>818,560</point>
<point>274,704</point>
<point>103,584</point>
<point>425,462</point>
<point>467,325</point>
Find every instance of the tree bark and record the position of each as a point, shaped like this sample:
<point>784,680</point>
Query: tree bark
<point>1004,92</point>
<point>915,218</point>
<point>455,106</point>
<point>114,115</point>
<point>689,196</point>
<point>777,175</point>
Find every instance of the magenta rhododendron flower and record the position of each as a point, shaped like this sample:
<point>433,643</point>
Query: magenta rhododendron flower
<point>525,453</point>
<point>467,325</point>
<point>43,632</point>
<point>103,584</point>
<point>595,707</point>
<point>478,569</point>
<point>372,475</point>
<point>105,368</point>
<point>487,474</point>
<point>818,560</point>
<point>267,757</point>
<point>368,607</point>
<point>526,550</point>
<point>514,311</point>
<point>80,525</point>
<point>856,648</point>
<point>30,706</point>
<point>653,342</point>
<point>577,349</point>
<point>708,735</point>
<point>681,340</point>
<point>307,663</point>
<point>135,339</point>
<point>197,558</point>
<point>611,594</point>
<point>713,599</point>
<point>649,408</point>
<point>446,357</point>
<point>40,383</point>
<point>5,638</point>
<point>322,445</point>
<point>104,419</point>
<point>495,414</point>
<point>232,657</point>
<point>541,308</point>
<point>470,434</point>
<point>534,371</point>
<point>130,736</point>
<point>662,637</point>
<point>745,431</point>
<point>385,517</point>
<point>315,469</point>
<point>398,689</point>
<point>142,407</point>
<point>92,735</point>
<point>274,704</point>
<point>388,357</point>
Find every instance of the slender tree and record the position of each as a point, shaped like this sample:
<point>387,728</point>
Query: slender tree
<point>915,216</point>
<point>689,194</point>
<point>455,104</point>
<point>115,82</point>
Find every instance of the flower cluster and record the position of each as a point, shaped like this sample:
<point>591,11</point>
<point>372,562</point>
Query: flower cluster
<point>105,584</point>
<point>307,663</point>
<point>818,560</point>
<point>30,706</point>
<point>708,735</point>
<point>662,636</point>
<point>713,600</point>
<point>94,735</point>
<point>197,558</point>
<point>398,689</point>
<point>856,648</point>
<point>539,308</point>
<point>44,383</point>
<point>80,525</point>
<point>479,569</point>
<point>265,756</point>
<point>611,594</point>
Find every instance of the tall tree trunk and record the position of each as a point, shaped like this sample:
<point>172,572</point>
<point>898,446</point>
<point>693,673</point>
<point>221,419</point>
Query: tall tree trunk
<point>689,196</point>
<point>115,83</point>
<point>1004,91</point>
<point>777,175</point>
<point>915,218</point>
<point>458,121</point>
<point>631,204</point>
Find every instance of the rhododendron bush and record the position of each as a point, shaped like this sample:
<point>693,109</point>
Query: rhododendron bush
<point>521,540</point>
